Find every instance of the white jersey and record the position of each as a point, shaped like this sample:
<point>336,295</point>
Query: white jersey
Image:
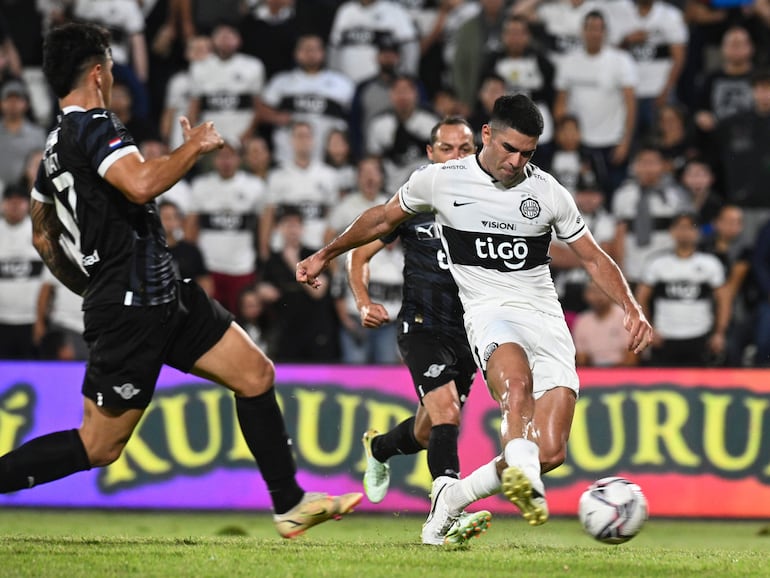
<point>313,190</point>
<point>67,308</point>
<point>563,24</point>
<point>226,89</point>
<point>496,239</point>
<point>386,281</point>
<point>322,100</point>
<point>351,206</point>
<point>683,290</point>
<point>227,212</point>
<point>594,84</point>
<point>356,30</point>
<point>21,272</point>
<point>178,93</point>
<point>665,26</point>
<point>122,17</point>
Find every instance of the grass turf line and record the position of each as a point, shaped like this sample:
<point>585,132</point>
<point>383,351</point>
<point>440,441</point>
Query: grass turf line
<point>102,543</point>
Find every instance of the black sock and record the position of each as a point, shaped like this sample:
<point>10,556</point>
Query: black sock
<point>43,460</point>
<point>265,433</point>
<point>399,440</point>
<point>442,451</point>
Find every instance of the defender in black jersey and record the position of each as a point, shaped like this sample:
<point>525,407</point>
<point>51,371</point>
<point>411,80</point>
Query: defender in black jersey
<point>96,226</point>
<point>496,214</point>
<point>431,337</point>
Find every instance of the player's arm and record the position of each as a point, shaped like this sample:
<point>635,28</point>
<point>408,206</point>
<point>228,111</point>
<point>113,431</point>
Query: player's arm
<point>606,274</point>
<point>370,225</point>
<point>372,314</point>
<point>142,180</point>
<point>46,231</point>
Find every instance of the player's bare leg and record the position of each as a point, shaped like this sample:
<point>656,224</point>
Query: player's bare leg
<point>241,366</point>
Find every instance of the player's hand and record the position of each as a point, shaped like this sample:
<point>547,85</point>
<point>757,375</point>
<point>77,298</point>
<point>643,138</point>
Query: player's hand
<point>309,269</point>
<point>640,333</point>
<point>373,315</point>
<point>204,134</point>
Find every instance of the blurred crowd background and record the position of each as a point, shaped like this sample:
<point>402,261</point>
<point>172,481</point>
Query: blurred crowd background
<point>657,120</point>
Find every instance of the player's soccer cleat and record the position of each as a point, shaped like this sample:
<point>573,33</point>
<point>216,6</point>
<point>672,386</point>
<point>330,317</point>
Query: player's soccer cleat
<point>440,518</point>
<point>377,474</point>
<point>527,495</point>
<point>314,508</point>
<point>467,526</point>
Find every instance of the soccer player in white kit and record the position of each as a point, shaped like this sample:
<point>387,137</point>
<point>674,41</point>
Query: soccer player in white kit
<point>496,213</point>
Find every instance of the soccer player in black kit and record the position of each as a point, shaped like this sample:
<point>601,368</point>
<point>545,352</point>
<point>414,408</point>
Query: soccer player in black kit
<point>431,340</point>
<point>96,226</point>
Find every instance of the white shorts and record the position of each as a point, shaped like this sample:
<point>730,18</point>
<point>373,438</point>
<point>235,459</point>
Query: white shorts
<point>545,339</point>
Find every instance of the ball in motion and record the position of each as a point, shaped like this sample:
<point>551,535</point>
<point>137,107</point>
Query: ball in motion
<point>613,510</point>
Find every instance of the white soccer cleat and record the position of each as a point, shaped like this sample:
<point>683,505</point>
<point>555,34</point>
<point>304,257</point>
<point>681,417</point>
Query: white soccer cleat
<point>467,526</point>
<point>377,474</point>
<point>527,495</point>
<point>441,517</point>
<point>313,509</point>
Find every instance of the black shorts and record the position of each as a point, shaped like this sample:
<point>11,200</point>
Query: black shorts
<point>128,345</point>
<point>435,358</point>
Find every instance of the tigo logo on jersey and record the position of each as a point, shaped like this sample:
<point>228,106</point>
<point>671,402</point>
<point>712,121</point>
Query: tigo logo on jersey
<point>114,142</point>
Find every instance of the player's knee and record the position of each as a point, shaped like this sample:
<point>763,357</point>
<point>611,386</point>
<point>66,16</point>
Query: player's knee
<point>259,380</point>
<point>102,456</point>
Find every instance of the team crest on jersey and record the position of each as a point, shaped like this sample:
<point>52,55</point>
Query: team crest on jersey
<point>530,208</point>
<point>490,350</point>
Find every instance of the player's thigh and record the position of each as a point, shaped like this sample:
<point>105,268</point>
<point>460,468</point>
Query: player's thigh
<point>105,431</point>
<point>508,375</point>
<point>554,410</point>
<point>237,363</point>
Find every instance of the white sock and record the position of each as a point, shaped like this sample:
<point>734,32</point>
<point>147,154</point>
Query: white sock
<point>481,483</point>
<point>524,454</point>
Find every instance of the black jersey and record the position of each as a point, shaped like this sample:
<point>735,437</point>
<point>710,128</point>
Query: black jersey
<point>430,297</point>
<point>121,245</point>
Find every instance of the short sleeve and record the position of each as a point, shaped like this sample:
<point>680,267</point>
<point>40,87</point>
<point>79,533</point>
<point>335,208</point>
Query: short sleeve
<point>416,195</point>
<point>106,140</point>
<point>629,75</point>
<point>568,222</point>
<point>40,191</point>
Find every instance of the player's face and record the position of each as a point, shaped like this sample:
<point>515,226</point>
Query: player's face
<point>506,152</point>
<point>453,141</point>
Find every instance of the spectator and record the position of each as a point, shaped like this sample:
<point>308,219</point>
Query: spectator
<point>270,32</point>
<point>399,136</point>
<point>476,39</point>
<point>31,166</point>
<point>121,105</point>
<point>250,315</point>
<point>525,69</point>
<point>357,28</point>
<point>599,334</point>
<point>257,158</point>
<point>674,137</point>
<point>20,276</point>
<point>180,193</point>
<point>761,268</point>
<point>644,207</point>
<point>570,162</point>
<point>744,156</point>
<point>226,86</point>
<point>338,156</point>
<point>491,88</point>
<point>303,183</point>
<point>303,328</point>
<point>188,259</point>
<point>18,135</point>
<point>655,34</point>
<point>125,20</point>
<point>58,330</point>
<point>697,180</point>
<point>684,291</point>
<point>598,85</point>
<point>179,91</point>
<point>309,93</point>
<point>224,224</point>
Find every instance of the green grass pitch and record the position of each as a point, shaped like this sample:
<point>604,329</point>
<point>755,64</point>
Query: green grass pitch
<point>169,544</point>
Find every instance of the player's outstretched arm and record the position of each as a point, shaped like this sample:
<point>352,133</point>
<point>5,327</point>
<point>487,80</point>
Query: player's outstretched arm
<point>46,231</point>
<point>370,225</point>
<point>607,275</point>
<point>372,314</point>
<point>142,180</point>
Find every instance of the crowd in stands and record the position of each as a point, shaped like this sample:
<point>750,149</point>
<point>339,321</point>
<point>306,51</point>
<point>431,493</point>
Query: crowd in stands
<point>657,119</point>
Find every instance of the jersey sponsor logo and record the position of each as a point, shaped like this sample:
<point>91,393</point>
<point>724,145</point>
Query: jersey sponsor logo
<point>494,251</point>
<point>684,291</point>
<point>501,225</point>
<point>435,370</point>
<point>20,269</point>
<point>92,259</point>
<point>530,208</point>
<point>114,142</point>
<point>489,350</point>
<point>457,204</point>
<point>453,167</point>
<point>126,391</point>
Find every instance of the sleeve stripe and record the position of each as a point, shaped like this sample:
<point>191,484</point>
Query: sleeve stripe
<point>404,206</point>
<point>573,235</point>
<point>113,157</point>
<point>40,197</point>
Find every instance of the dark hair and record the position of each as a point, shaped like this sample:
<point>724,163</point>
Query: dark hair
<point>68,52</point>
<point>287,211</point>
<point>453,120</point>
<point>685,215</point>
<point>517,111</point>
<point>594,14</point>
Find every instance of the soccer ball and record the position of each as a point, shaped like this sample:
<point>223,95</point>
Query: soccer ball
<point>612,510</point>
